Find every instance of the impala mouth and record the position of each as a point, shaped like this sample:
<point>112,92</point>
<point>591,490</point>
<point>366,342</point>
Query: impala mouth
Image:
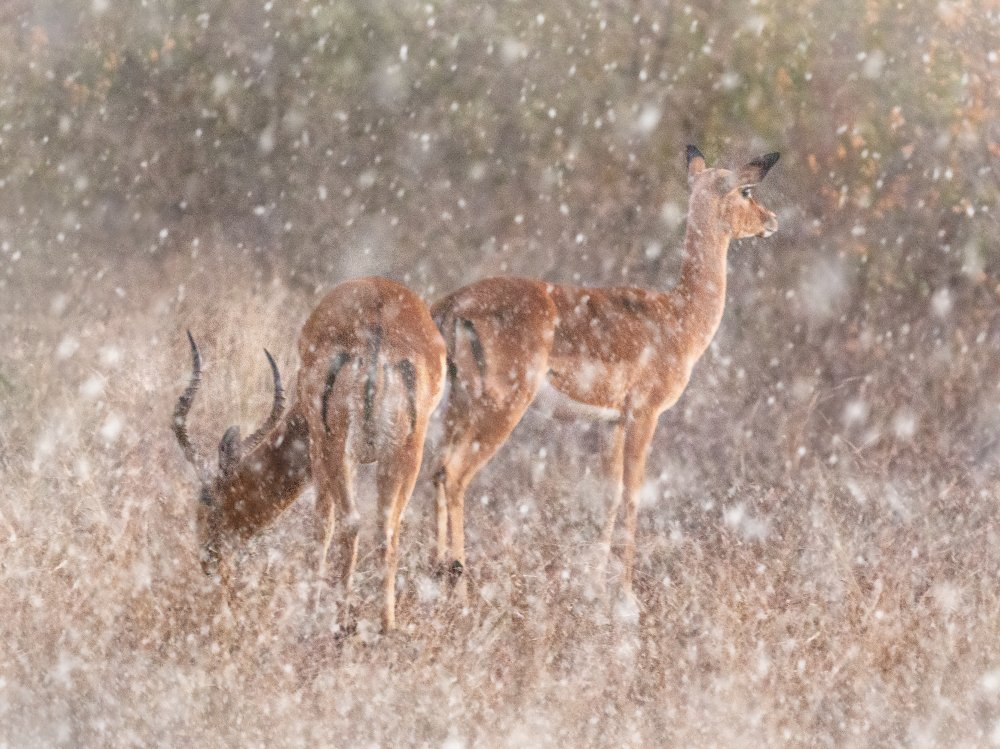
<point>209,559</point>
<point>769,228</point>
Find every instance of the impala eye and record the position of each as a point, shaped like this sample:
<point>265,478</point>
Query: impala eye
<point>745,192</point>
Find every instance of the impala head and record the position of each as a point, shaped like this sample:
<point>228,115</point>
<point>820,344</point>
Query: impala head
<point>728,195</point>
<point>219,483</point>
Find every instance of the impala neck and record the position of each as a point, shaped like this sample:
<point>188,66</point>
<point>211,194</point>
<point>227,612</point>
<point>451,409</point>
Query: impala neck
<point>269,479</point>
<point>700,294</point>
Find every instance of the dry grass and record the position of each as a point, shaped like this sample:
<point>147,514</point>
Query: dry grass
<point>785,602</point>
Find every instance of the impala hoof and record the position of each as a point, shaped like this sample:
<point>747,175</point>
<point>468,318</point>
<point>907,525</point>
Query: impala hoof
<point>345,631</point>
<point>452,571</point>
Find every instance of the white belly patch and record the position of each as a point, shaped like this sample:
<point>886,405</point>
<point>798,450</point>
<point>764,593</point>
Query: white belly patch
<point>554,404</point>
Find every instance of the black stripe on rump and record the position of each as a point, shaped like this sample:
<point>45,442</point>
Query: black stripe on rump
<point>476,345</point>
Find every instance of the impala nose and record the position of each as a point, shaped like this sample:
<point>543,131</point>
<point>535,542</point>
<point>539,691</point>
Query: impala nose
<point>770,226</point>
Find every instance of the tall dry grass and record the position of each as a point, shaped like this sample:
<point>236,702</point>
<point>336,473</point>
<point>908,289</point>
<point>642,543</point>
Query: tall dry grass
<point>844,596</point>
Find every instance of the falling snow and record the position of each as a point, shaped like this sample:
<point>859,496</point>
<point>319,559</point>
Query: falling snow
<point>818,562</point>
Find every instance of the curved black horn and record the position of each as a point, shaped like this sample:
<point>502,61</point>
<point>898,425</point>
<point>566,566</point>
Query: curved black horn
<point>184,405</point>
<point>277,408</point>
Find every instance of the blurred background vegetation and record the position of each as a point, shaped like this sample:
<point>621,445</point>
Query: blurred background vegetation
<point>819,545</point>
<point>438,142</point>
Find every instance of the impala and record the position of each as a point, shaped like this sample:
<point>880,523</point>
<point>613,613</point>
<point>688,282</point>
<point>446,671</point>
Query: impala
<point>372,371</point>
<point>625,349</point>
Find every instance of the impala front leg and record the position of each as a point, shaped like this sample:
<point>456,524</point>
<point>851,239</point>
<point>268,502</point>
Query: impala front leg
<point>441,519</point>
<point>638,436</point>
<point>615,469</point>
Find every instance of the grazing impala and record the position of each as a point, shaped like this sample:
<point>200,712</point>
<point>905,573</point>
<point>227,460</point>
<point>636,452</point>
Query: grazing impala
<point>372,371</point>
<point>625,349</point>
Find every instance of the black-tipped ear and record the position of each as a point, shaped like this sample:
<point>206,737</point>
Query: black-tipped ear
<point>757,169</point>
<point>695,162</point>
<point>229,450</point>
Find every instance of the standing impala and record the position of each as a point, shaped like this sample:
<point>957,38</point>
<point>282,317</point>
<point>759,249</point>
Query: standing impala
<point>372,371</point>
<point>622,348</point>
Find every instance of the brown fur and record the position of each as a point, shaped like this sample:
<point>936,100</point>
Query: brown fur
<point>263,483</point>
<point>624,348</point>
<point>366,413</point>
<point>377,411</point>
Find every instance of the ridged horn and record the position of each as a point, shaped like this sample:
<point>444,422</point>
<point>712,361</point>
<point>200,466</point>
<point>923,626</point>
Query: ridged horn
<point>277,408</point>
<point>184,405</point>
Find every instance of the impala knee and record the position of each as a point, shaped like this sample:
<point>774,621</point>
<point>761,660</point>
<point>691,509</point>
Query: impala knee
<point>451,483</point>
<point>352,523</point>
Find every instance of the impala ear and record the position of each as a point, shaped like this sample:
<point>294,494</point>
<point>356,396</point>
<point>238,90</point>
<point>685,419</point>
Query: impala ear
<point>695,162</point>
<point>229,450</point>
<point>757,169</point>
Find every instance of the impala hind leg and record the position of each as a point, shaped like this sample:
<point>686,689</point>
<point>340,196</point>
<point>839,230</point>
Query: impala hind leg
<point>499,339</point>
<point>224,576</point>
<point>475,435</point>
<point>615,466</point>
<point>323,534</point>
<point>333,477</point>
<point>395,479</point>
<point>347,534</point>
